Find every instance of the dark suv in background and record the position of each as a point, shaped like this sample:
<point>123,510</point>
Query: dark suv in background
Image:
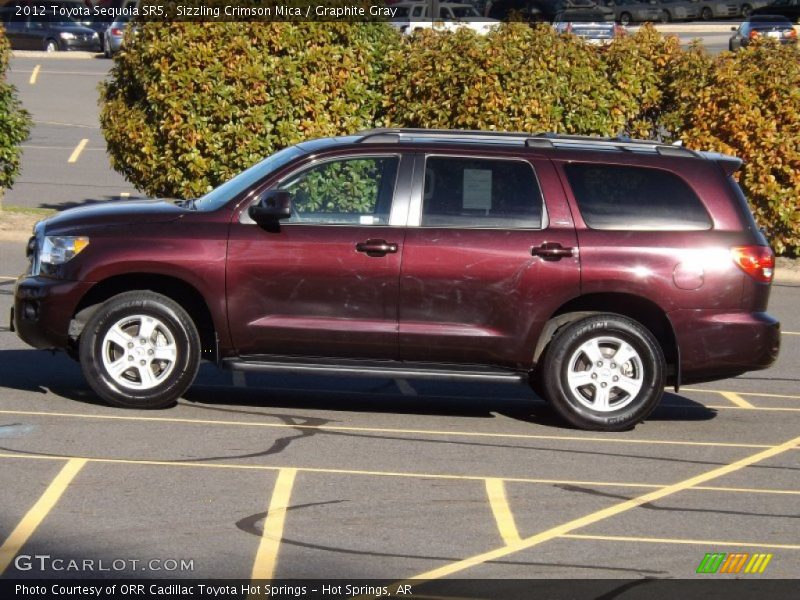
<point>598,270</point>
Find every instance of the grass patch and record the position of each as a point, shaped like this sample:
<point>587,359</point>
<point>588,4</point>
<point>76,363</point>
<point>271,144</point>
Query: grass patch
<point>24,210</point>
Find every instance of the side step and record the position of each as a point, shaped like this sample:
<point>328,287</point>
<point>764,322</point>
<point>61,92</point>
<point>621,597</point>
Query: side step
<point>389,371</point>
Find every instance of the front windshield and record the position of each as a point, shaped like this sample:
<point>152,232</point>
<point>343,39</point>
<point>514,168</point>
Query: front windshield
<point>233,187</point>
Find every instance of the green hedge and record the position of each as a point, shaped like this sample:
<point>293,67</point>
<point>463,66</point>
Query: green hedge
<point>189,105</point>
<point>15,122</point>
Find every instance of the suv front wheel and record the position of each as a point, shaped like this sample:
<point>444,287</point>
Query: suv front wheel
<point>140,350</point>
<point>604,372</point>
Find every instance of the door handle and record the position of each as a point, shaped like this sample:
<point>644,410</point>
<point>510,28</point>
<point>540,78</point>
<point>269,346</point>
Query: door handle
<point>376,247</point>
<point>552,251</point>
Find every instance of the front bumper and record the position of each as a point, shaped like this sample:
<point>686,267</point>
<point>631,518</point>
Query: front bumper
<point>719,344</point>
<point>43,309</point>
<point>92,45</point>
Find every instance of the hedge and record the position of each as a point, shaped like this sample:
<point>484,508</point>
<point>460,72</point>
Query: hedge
<point>188,105</point>
<point>15,122</point>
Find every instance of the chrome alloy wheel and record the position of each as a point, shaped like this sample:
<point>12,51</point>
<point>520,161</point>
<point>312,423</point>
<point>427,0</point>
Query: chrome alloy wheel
<point>139,352</point>
<point>605,374</point>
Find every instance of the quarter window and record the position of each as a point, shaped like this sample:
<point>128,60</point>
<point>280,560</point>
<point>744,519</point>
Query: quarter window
<point>635,198</point>
<point>353,191</point>
<point>477,192</point>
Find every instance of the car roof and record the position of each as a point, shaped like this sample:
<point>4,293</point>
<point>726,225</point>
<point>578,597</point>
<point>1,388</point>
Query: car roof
<point>768,19</point>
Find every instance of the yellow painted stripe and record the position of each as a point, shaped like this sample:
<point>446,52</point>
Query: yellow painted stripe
<point>267,555</point>
<point>790,332</point>
<point>431,432</point>
<point>410,475</point>
<point>569,526</point>
<point>6,278</point>
<point>73,158</point>
<point>650,540</point>
<point>757,394</point>
<point>767,558</point>
<point>736,399</point>
<point>23,531</point>
<point>753,565</point>
<point>498,500</point>
<point>35,74</point>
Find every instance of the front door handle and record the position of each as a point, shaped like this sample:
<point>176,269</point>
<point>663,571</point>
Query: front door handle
<point>552,251</point>
<point>376,247</point>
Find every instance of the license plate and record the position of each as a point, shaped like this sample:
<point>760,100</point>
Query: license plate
<point>775,34</point>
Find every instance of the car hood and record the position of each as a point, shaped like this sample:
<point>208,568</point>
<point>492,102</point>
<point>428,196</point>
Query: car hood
<point>116,213</point>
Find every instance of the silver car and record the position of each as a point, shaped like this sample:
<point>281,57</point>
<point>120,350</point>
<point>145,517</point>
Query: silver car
<point>112,38</point>
<point>630,11</point>
<point>679,10</point>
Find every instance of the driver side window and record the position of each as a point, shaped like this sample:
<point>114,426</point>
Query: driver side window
<point>351,191</point>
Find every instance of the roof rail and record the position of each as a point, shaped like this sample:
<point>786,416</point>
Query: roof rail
<point>532,140</point>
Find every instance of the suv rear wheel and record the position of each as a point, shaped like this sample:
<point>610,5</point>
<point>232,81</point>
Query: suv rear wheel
<point>140,350</point>
<point>604,372</point>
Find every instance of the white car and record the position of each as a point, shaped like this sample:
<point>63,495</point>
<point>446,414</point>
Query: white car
<point>414,16</point>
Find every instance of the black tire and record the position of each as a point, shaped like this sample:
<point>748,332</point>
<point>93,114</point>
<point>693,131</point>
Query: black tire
<point>175,381</point>
<point>666,17</point>
<point>747,10</point>
<point>706,14</point>
<point>51,45</point>
<point>625,19</point>
<point>649,369</point>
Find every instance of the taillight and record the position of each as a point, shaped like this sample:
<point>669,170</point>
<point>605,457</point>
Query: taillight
<point>116,31</point>
<point>756,261</point>
<point>753,35</point>
<point>792,34</point>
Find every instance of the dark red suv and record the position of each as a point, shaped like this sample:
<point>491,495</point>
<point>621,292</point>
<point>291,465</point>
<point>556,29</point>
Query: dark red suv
<point>600,270</point>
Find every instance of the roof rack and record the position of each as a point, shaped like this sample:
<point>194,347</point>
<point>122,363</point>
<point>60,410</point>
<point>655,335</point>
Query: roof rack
<point>536,140</point>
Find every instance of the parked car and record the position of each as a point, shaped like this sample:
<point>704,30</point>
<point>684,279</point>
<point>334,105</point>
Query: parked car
<point>590,26</point>
<point>415,16</point>
<point>679,10</point>
<point>599,270</point>
<point>536,11</point>
<point>773,27</point>
<point>113,36</point>
<point>784,8</point>
<point>33,33</point>
<point>746,8</point>
<point>634,11</point>
<point>718,9</point>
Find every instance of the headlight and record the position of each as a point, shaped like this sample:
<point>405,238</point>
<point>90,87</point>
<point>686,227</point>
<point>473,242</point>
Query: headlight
<point>66,35</point>
<point>57,250</point>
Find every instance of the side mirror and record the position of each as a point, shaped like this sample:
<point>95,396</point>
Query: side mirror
<point>273,206</point>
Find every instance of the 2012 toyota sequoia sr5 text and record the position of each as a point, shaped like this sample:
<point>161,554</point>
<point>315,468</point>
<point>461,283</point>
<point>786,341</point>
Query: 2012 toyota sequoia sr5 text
<point>600,270</point>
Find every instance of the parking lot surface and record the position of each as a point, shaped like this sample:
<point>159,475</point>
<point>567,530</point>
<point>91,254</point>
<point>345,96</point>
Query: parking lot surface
<point>261,476</point>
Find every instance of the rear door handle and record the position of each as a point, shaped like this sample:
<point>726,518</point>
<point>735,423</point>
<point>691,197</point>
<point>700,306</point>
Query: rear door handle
<point>552,251</point>
<point>376,247</point>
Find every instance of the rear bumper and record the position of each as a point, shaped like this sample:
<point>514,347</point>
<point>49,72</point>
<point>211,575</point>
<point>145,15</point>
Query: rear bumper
<point>718,344</point>
<point>43,309</point>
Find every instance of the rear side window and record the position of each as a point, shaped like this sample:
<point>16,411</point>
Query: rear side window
<point>482,193</point>
<point>619,197</point>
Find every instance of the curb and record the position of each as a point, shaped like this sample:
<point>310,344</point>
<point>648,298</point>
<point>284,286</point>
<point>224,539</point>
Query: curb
<point>79,54</point>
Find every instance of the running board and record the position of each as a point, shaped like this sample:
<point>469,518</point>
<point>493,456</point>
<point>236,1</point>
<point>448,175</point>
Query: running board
<point>450,373</point>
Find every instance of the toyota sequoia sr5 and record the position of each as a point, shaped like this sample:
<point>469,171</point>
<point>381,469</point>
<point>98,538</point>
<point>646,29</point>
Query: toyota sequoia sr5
<point>597,270</point>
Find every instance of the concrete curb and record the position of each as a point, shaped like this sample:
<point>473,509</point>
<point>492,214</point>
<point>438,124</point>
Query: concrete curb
<point>55,55</point>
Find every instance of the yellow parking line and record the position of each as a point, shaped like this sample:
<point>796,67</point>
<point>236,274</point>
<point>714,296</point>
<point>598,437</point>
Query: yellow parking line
<point>409,475</point>
<point>790,332</point>
<point>267,555</point>
<point>623,538</point>
<point>73,158</point>
<point>5,278</point>
<point>430,432</point>
<point>498,500</point>
<point>23,531</point>
<point>758,394</point>
<point>35,74</point>
<point>565,528</point>
<point>736,399</point>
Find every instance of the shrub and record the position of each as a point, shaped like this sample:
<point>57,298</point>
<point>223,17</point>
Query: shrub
<point>15,122</point>
<point>517,78</point>
<point>751,108</point>
<point>189,105</point>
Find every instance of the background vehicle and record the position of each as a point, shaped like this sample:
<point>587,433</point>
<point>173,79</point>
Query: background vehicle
<point>414,16</point>
<point>679,10</point>
<point>598,270</point>
<point>113,36</point>
<point>773,27</point>
<point>590,26</point>
<point>545,10</point>
<point>785,8</point>
<point>634,11</point>
<point>32,33</point>
<point>718,9</point>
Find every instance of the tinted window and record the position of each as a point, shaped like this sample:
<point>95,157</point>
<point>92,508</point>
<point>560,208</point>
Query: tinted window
<point>614,197</point>
<point>465,192</point>
<point>353,191</point>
